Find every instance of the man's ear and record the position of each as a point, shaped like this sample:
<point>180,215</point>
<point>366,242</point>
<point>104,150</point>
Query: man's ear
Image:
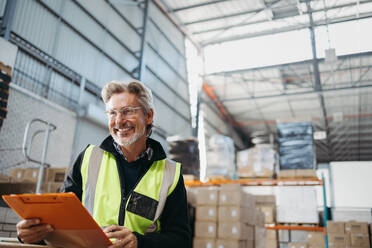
<point>150,117</point>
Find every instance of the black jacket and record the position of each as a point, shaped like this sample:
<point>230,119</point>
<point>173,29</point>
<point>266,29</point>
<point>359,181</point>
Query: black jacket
<point>175,228</point>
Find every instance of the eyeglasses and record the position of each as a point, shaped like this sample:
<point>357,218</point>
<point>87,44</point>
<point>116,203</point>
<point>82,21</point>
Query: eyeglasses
<point>125,112</point>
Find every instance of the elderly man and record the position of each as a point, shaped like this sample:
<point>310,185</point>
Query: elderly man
<point>127,183</point>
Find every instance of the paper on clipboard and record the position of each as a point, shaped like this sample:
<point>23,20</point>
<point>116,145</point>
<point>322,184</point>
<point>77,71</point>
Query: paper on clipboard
<point>74,226</point>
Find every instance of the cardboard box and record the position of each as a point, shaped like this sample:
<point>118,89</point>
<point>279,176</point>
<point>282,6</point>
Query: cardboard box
<point>269,214</point>
<point>297,245</point>
<point>5,178</point>
<point>315,238</point>
<point>235,231</point>
<point>231,186</point>
<point>259,218</point>
<point>348,240</point>
<point>335,227</point>
<point>56,175</point>
<point>265,200</point>
<point>361,240</point>
<point>205,229</point>
<point>249,171</point>
<point>305,173</point>
<point>236,214</point>
<point>271,235</point>
<point>316,246</point>
<point>32,174</point>
<point>206,196</point>
<point>356,227</point>
<point>206,213</point>
<point>236,198</point>
<point>51,187</point>
<point>17,175</point>
<point>336,240</point>
<point>204,243</point>
<point>283,174</point>
<point>259,237</point>
<point>271,243</point>
<point>258,161</point>
<point>224,243</point>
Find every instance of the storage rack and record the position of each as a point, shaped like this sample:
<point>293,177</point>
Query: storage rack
<point>275,182</point>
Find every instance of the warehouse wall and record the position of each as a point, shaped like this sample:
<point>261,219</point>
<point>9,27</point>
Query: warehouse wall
<point>165,73</point>
<point>22,106</point>
<point>68,49</point>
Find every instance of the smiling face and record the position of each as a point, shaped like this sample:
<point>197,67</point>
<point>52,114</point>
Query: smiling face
<point>128,130</point>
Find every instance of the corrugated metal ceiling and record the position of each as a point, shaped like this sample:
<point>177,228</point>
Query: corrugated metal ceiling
<point>257,98</point>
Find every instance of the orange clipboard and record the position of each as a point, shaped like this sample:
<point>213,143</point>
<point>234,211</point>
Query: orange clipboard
<point>73,225</point>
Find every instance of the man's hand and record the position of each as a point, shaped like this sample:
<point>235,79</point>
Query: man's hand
<point>124,237</point>
<point>32,232</point>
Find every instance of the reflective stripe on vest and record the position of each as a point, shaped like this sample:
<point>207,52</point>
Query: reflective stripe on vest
<point>102,191</point>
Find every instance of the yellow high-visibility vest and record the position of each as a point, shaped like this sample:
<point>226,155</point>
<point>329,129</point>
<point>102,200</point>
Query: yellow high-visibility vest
<point>102,191</point>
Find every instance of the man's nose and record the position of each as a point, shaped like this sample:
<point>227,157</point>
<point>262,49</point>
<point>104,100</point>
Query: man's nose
<point>120,117</point>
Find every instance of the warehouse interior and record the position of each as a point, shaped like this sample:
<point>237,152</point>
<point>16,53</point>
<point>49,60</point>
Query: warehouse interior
<point>267,104</point>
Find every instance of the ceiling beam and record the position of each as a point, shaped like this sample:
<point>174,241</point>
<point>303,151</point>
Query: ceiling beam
<point>222,110</point>
<point>242,13</point>
<point>196,5</point>
<point>251,98</point>
<point>262,21</point>
<point>303,62</point>
<point>287,29</point>
<point>318,84</point>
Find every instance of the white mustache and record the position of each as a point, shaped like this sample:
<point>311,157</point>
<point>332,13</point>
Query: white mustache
<point>124,126</point>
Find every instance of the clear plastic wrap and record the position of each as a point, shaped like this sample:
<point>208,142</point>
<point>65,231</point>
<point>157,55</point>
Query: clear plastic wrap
<point>221,157</point>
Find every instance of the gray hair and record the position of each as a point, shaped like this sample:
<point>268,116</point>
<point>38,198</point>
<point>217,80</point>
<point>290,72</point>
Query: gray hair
<point>144,95</point>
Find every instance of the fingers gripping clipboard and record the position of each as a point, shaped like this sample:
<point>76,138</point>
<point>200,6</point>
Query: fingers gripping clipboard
<point>73,225</point>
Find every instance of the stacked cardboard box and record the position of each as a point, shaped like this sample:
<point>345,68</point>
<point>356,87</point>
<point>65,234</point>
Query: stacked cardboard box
<point>336,234</point>
<point>258,161</point>
<point>221,157</point>
<point>297,245</point>
<point>297,173</point>
<point>267,205</point>
<point>237,217</point>
<point>228,217</point>
<point>271,239</point>
<point>357,234</point>
<point>348,234</point>
<point>315,240</point>
<point>205,201</point>
<point>52,178</point>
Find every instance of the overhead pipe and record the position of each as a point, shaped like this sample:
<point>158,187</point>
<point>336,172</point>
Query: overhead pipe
<point>210,92</point>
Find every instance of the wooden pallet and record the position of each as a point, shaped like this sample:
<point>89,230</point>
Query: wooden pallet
<point>5,68</point>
